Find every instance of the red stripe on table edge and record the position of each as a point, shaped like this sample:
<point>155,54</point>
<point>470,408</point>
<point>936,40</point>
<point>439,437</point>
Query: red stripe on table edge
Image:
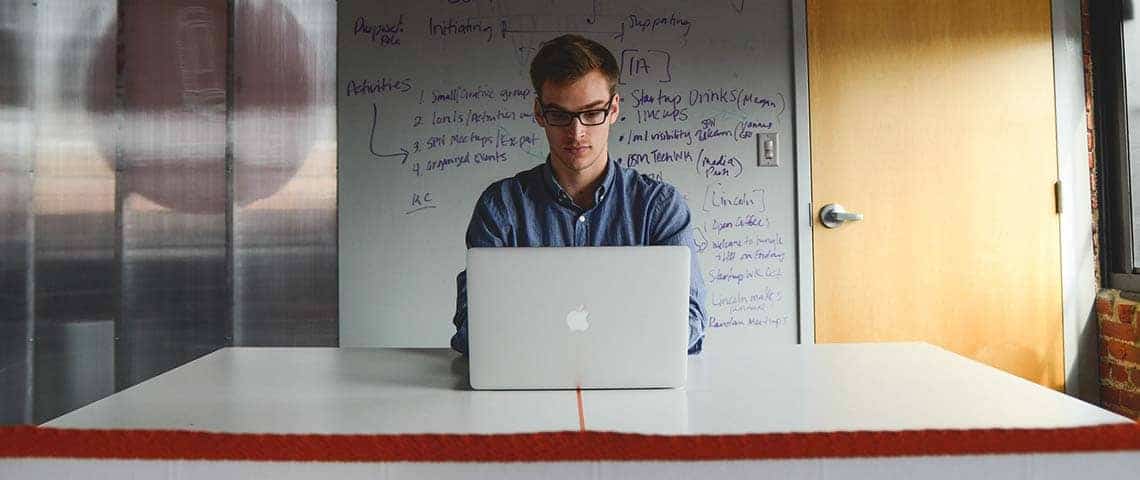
<point>29,441</point>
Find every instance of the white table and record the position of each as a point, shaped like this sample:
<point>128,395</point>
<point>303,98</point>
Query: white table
<point>823,388</point>
<point>904,386</point>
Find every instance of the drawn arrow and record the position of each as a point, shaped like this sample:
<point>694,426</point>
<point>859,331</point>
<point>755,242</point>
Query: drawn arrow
<point>504,29</point>
<point>372,138</point>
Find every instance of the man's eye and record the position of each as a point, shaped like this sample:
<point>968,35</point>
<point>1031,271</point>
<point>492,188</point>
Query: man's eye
<point>594,116</point>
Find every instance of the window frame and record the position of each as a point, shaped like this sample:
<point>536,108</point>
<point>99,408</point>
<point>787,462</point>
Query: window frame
<point>1116,217</point>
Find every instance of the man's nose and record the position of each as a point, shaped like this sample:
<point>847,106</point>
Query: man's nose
<point>576,127</point>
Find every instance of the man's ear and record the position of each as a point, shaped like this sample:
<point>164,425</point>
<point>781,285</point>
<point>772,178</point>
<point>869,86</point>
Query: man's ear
<point>615,111</point>
<point>538,114</point>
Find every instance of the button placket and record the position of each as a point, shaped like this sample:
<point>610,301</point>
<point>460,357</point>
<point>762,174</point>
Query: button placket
<point>580,230</point>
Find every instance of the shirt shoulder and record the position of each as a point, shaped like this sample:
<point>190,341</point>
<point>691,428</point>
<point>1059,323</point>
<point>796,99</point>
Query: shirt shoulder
<point>507,191</point>
<point>666,213</point>
<point>648,189</point>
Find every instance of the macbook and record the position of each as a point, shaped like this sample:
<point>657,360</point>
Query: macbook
<point>578,317</point>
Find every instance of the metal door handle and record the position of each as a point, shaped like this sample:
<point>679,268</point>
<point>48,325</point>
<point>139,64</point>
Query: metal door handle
<point>834,215</point>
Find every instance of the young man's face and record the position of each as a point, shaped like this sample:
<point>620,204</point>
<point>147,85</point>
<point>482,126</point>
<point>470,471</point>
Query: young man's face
<point>578,148</point>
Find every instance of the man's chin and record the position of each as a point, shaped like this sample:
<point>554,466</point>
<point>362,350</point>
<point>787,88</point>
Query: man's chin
<point>577,165</point>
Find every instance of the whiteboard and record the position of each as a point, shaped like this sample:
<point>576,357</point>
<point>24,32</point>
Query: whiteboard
<point>434,103</point>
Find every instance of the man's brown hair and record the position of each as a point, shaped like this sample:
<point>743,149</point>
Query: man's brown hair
<point>570,57</point>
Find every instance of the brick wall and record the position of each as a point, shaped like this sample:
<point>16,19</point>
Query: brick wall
<point>1119,353</point>
<point>1116,316</point>
<point>1086,50</point>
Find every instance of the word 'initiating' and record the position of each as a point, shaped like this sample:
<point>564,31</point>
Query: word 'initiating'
<point>453,28</point>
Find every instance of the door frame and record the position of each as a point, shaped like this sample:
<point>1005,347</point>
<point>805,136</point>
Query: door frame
<point>805,271</point>
<point>1078,277</point>
<point>1078,280</point>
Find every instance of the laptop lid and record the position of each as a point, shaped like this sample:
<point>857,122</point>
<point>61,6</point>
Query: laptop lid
<point>578,317</point>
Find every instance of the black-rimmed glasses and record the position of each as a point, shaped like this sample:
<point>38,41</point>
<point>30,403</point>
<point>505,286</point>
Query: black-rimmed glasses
<point>589,118</point>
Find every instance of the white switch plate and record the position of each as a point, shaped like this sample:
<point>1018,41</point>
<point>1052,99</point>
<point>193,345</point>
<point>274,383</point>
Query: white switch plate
<point>761,159</point>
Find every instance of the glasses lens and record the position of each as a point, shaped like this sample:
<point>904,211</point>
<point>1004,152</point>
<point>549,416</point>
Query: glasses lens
<point>557,118</point>
<point>593,117</point>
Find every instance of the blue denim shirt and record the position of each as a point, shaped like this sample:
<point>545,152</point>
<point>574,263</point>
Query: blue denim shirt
<point>532,210</point>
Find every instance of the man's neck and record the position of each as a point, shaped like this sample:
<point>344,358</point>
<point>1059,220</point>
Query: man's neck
<point>581,186</point>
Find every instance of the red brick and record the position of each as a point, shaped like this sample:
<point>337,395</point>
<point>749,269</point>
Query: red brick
<point>1135,374</point>
<point>1119,373</point>
<point>1125,312</point>
<point>1101,319</point>
<point>1104,306</point>
<point>1118,396</point>
<point>1130,400</point>
<point>1120,350</point>
<point>1117,330</point>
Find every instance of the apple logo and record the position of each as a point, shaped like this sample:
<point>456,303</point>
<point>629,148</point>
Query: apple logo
<point>578,320</point>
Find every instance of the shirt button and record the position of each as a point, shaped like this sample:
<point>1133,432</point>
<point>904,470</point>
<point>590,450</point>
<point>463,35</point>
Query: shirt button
<point>582,218</point>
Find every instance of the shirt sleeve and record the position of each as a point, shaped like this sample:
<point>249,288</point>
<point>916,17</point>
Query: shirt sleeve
<point>484,230</point>
<point>672,225</point>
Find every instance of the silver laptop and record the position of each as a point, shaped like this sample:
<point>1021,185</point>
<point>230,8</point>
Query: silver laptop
<point>578,317</point>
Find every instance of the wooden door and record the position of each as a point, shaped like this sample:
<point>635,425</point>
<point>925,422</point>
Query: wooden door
<point>935,119</point>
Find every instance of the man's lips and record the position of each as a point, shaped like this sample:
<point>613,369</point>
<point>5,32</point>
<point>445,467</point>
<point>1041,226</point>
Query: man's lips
<point>576,148</point>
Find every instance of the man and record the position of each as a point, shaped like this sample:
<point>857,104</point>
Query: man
<point>580,197</point>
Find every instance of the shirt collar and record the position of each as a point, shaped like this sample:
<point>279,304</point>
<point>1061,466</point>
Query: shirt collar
<point>563,198</point>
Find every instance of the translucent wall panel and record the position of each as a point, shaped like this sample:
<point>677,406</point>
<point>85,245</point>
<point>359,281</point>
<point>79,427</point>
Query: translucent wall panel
<point>285,172</point>
<point>16,39</point>
<point>75,299</point>
<point>173,189</point>
<point>167,188</point>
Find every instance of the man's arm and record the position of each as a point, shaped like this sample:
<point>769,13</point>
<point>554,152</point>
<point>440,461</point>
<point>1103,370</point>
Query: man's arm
<point>484,230</point>
<point>459,340</point>
<point>672,225</point>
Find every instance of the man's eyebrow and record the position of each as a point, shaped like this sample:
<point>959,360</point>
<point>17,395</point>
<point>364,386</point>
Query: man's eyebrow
<point>589,106</point>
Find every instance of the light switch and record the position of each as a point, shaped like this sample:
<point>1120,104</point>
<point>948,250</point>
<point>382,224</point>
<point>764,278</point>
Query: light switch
<point>767,147</point>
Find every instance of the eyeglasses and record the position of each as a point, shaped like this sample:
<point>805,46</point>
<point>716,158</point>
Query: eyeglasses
<point>589,118</point>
